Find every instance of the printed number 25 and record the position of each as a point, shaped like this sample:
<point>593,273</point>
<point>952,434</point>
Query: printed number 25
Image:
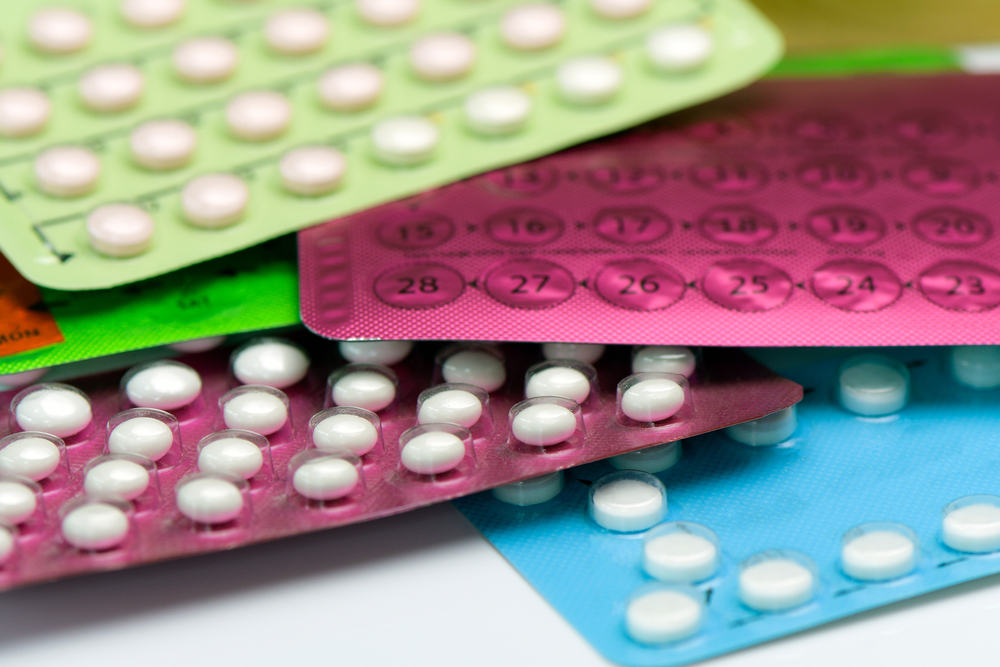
<point>757,285</point>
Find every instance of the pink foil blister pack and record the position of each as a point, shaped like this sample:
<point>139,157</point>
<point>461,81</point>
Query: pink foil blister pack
<point>865,204</point>
<point>275,438</point>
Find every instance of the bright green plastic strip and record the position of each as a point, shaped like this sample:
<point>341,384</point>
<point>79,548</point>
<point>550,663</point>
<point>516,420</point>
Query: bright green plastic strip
<point>902,60</point>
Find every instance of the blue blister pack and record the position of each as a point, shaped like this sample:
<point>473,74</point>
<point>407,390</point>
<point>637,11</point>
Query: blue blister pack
<point>871,495</point>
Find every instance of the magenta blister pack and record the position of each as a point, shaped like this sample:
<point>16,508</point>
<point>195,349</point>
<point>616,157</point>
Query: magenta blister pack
<point>861,205</point>
<point>275,438</point>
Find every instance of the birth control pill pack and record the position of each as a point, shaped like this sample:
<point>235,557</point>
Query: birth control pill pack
<point>867,204</point>
<point>140,136</point>
<point>275,438</point>
<point>881,485</point>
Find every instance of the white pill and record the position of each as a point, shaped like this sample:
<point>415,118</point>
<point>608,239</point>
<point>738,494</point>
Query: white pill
<point>878,555</point>
<point>443,56</point>
<point>585,352</point>
<point>325,478</point>
<point>255,411</point>
<point>680,557</point>
<point>95,526</point>
<point>215,200</point>
<point>766,431</point>
<point>589,80</point>
<point>452,406</point>
<point>475,367</point>
<point>59,30</point>
<point>673,359</point>
<point>385,352</point>
<point>259,115</point>
<point>663,616</point>
<point>873,386</point>
<point>620,9</point>
<point>198,344</point>
<point>627,505</point>
<point>111,88</point>
<point>432,453</point>
<point>271,363</point>
<point>58,412</point>
<point>24,112</point>
<point>532,491</point>
<point>67,171</point>
<point>296,31</point>
<point>122,479</point>
<point>543,424</point>
<point>162,145</point>
<point>7,544</point>
<point>651,459</point>
<point>164,387</point>
<point>351,87</point>
<point>120,230</point>
<point>652,400</point>
<point>22,379</point>
<point>231,456</point>
<point>497,111</point>
<point>209,500</point>
<point>367,390</point>
<point>152,13</point>
<point>976,366</point>
<point>17,502</point>
<point>205,60</point>
<point>345,432</point>
<point>776,584</point>
<point>559,381</point>
<point>312,170</point>
<point>34,458</point>
<point>679,48</point>
<point>143,436</point>
<point>973,528</point>
<point>533,27</point>
<point>387,12</point>
<point>404,140</point>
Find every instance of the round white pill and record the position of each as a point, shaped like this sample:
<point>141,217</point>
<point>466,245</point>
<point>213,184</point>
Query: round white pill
<point>443,56</point>
<point>385,352</point>
<point>559,381</point>
<point>34,458</point>
<point>973,529</point>
<point>24,112</point>
<point>59,30</point>
<point>152,13</point>
<point>589,80</point>
<point>404,140</point>
<point>209,500</point>
<point>7,544</point>
<point>367,390</point>
<point>766,431</point>
<point>162,145</point>
<point>533,27</point>
<point>475,367</point>
<point>652,400</point>
<point>620,9</point>
<point>312,170</point>
<point>198,344</point>
<point>351,87</point>
<point>873,386</point>
<point>215,200</point>
<point>120,230</point>
<point>679,48</point>
<point>67,171</point>
<point>878,555</point>
<point>255,411</point>
<point>17,502</point>
<point>143,436</point>
<point>95,526</point>
<point>387,12</point>
<point>673,359</point>
<point>164,387</point>
<point>680,557</point>
<point>627,505</point>
<point>119,478</point>
<point>111,88</point>
<point>297,31</point>
<point>58,412</point>
<point>432,453</point>
<point>498,110</point>
<point>532,491</point>
<point>232,456</point>
<point>776,584</point>
<point>662,616</point>
<point>651,459</point>
<point>543,424</point>
<point>976,366</point>
<point>271,363</point>
<point>259,115</point>
<point>205,60</point>
<point>345,432</point>
<point>325,478</point>
<point>452,406</point>
<point>585,352</point>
